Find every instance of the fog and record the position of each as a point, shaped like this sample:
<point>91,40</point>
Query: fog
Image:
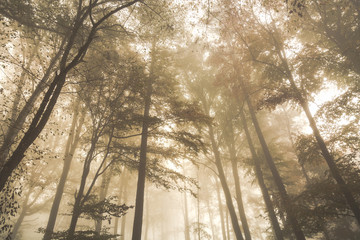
<point>179,120</point>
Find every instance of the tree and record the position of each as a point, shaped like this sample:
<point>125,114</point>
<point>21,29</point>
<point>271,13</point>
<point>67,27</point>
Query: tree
<point>67,63</point>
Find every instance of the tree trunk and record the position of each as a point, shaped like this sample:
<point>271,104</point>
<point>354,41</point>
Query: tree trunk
<point>80,194</point>
<point>139,203</point>
<point>186,218</point>
<point>222,218</point>
<point>277,179</point>
<point>211,219</point>
<point>227,225</point>
<point>123,224</point>
<point>105,182</point>
<point>233,159</point>
<point>18,223</point>
<point>258,172</point>
<point>124,199</point>
<point>71,145</point>
<point>38,123</point>
<point>224,185</point>
<point>121,195</point>
<point>198,210</point>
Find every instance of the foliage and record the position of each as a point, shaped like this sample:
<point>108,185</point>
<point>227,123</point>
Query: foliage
<point>81,235</point>
<point>103,210</point>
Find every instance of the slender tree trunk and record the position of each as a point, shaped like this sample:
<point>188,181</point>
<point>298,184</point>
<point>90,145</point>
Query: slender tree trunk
<point>233,159</point>
<point>277,179</point>
<point>222,218</point>
<point>186,218</point>
<point>105,182</point>
<point>258,172</point>
<point>123,225</point>
<point>120,198</point>
<point>146,213</point>
<point>198,210</point>
<point>211,219</point>
<point>227,225</point>
<point>124,199</point>
<point>139,203</point>
<point>71,145</point>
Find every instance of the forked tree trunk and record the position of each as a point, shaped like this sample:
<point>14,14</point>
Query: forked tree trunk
<point>80,193</point>
<point>222,177</point>
<point>260,178</point>
<point>225,186</point>
<point>233,159</point>
<point>276,176</point>
<point>71,145</point>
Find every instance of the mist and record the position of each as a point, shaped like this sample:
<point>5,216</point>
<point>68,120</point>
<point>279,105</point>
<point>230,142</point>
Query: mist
<point>179,120</point>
